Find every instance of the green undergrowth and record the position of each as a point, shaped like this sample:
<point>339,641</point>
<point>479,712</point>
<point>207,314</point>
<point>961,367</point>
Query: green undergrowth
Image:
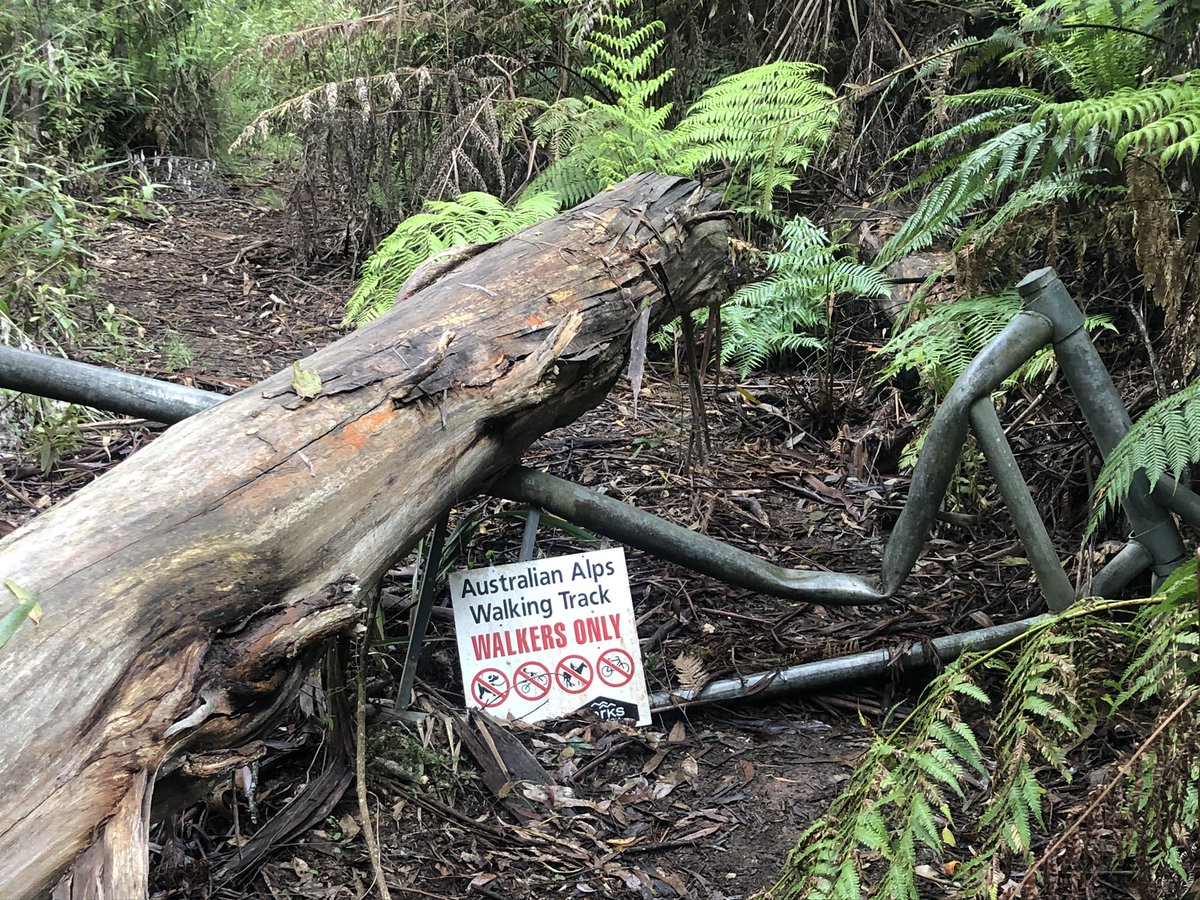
<point>962,792</point>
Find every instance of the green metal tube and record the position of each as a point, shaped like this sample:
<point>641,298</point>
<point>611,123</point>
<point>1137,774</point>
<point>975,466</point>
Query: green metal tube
<point>1179,499</point>
<point>672,542</point>
<point>823,674</point>
<point>1102,409</point>
<point>1131,561</point>
<point>1020,339</point>
<point>1056,587</point>
<point>96,386</point>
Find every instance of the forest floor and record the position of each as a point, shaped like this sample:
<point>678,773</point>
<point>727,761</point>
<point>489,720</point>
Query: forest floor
<point>703,803</point>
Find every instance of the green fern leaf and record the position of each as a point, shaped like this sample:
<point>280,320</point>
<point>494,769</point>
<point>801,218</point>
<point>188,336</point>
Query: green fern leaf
<point>788,309</point>
<point>1165,439</point>
<point>473,218</point>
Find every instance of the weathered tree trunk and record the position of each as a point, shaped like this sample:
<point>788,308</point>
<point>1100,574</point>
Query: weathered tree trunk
<point>185,591</point>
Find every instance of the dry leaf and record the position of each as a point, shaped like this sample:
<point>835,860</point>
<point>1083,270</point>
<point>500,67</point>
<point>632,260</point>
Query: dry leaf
<point>654,762</point>
<point>690,767</point>
<point>349,825</point>
<point>622,843</point>
<point>691,672</point>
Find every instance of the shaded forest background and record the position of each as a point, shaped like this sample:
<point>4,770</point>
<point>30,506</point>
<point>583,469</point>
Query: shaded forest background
<point>894,168</point>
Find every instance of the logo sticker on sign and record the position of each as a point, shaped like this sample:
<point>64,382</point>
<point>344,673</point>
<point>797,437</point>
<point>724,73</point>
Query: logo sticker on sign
<point>542,639</point>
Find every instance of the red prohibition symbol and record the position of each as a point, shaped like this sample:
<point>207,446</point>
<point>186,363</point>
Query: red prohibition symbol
<point>489,687</point>
<point>531,681</point>
<point>574,674</point>
<point>615,667</point>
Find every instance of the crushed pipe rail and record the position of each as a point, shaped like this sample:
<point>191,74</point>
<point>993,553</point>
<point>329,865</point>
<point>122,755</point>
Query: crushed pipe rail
<point>827,673</point>
<point>1104,412</point>
<point>672,542</point>
<point>1056,587</point>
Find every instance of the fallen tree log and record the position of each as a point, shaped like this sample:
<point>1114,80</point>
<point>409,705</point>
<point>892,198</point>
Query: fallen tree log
<point>186,592</point>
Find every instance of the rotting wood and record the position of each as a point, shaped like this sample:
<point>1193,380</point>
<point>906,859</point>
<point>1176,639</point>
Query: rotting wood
<point>186,592</point>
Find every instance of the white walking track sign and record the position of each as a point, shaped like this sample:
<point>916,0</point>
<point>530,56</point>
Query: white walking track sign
<point>546,638</point>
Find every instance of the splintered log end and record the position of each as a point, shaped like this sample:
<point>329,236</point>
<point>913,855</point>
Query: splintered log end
<point>117,862</point>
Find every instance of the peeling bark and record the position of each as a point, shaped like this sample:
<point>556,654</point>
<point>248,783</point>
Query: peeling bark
<point>186,592</point>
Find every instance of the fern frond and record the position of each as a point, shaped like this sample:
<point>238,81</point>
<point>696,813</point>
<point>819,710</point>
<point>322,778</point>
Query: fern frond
<point>280,47</point>
<point>989,121</point>
<point>594,142</point>
<point>1066,672</point>
<point>788,309</point>
<point>1056,189</point>
<point>948,336</point>
<point>981,175</point>
<point>766,121</point>
<point>998,98</point>
<point>1165,440</point>
<point>474,218</point>
<point>1035,152</point>
<point>1173,136</point>
<point>561,125</point>
<point>1093,47</point>
<point>1163,116</point>
<point>893,807</point>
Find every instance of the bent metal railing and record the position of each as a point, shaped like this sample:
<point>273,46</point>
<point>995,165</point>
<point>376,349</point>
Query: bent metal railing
<point>1049,316</point>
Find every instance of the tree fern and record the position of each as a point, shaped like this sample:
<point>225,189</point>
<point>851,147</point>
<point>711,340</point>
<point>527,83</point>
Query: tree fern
<point>789,309</point>
<point>607,140</point>
<point>1029,153</point>
<point>761,126</point>
<point>473,218</point>
<point>1165,440</point>
<point>1162,117</point>
<point>1089,47</point>
<point>896,806</point>
<point>1035,152</point>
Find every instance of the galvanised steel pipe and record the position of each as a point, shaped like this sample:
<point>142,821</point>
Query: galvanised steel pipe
<point>672,542</point>
<point>1055,586</point>
<point>1105,414</point>
<point>827,673</point>
<point>1004,354</point>
<point>1131,561</point>
<point>95,386</point>
<point>1180,500</point>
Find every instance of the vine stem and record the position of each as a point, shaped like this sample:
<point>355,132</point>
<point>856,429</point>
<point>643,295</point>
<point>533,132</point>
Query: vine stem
<point>1122,773</point>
